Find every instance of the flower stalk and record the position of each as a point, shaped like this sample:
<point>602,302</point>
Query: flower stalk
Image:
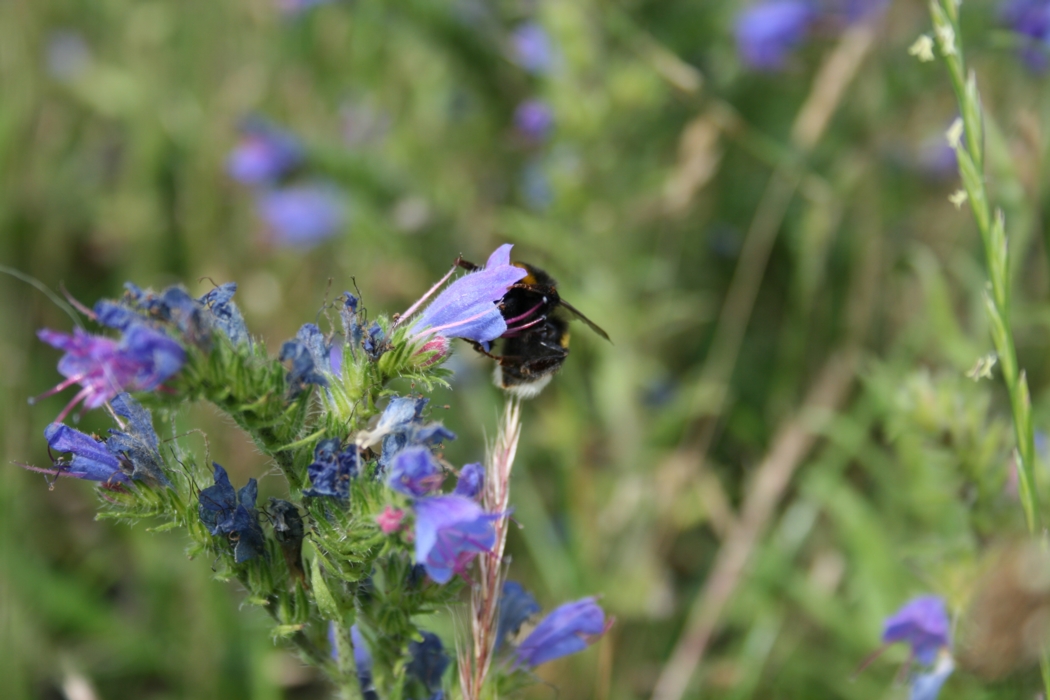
<point>485,593</point>
<point>969,150</point>
<point>970,157</point>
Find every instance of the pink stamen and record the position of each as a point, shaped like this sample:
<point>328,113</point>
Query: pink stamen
<point>524,315</point>
<point>430,292</point>
<point>61,386</point>
<point>465,321</point>
<point>80,396</point>
<point>524,326</point>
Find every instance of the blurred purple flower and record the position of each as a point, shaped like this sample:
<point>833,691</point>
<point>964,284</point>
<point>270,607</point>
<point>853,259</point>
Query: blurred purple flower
<point>534,120</point>
<point>923,624</point>
<point>295,7</point>
<point>1030,19</point>
<point>927,686</point>
<point>467,307</point>
<point>531,47</point>
<point>516,605</point>
<point>68,55</point>
<point>427,663</point>
<point>535,185</point>
<point>936,159</point>
<point>264,154</point>
<point>471,481</point>
<point>103,367</point>
<point>566,630</point>
<point>303,215</point>
<point>450,531</point>
<point>768,31</point>
<point>415,472</point>
<point>363,663</point>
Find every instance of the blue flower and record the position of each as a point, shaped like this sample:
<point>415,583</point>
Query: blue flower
<point>516,605</point>
<point>352,332</point>
<point>927,686</point>
<point>427,662</point>
<point>363,662</point>
<point>401,425</point>
<point>415,472</point>
<point>301,216</point>
<point>531,47</point>
<point>141,361</point>
<point>224,313</point>
<point>264,154</point>
<point>332,469</point>
<point>232,513</point>
<point>450,531</point>
<point>471,481</point>
<point>91,459</point>
<point>467,308</point>
<point>922,623</point>
<point>127,454</point>
<point>374,342</point>
<point>137,446</point>
<point>768,31</point>
<point>309,357</point>
<point>534,119</point>
<point>566,630</point>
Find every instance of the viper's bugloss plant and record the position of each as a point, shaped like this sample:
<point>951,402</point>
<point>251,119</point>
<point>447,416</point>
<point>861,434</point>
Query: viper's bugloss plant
<point>371,533</point>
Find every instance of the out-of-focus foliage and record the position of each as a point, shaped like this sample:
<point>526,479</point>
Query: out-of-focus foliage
<point>666,186</point>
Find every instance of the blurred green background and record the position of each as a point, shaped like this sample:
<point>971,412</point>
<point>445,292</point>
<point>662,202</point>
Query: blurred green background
<point>793,303</point>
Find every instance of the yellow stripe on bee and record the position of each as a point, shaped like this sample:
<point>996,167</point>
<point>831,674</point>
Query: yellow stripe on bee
<point>529,278</point>
<point>564,340</point>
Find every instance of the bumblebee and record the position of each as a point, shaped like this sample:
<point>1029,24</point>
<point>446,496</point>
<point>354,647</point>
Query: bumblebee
<point>536,342</point>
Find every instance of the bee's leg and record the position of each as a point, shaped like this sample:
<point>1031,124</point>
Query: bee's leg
<point>477,346</point>
<point>466,265</point>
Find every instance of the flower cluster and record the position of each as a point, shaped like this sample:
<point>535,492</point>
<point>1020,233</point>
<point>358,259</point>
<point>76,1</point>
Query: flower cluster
<point>365,475</point>
<point>1030,20</point>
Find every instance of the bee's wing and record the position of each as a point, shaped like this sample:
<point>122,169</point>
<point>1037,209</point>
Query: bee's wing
<point>575,312</point>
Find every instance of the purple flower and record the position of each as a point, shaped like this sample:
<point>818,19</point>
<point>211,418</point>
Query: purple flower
<point>130,453</point>
<point>534,119</point>
<point>471,481</point>
<point>531,47</point>
<point>142,360</point>
<point>450,531</point>
<point>467,307</point>
<point>566,630</point>
<point>922,623</point>
<point>415,472</point>
<point>768,31</point>
<point>303,215</point>
<point>264,153</point>
<point>91,459</point>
